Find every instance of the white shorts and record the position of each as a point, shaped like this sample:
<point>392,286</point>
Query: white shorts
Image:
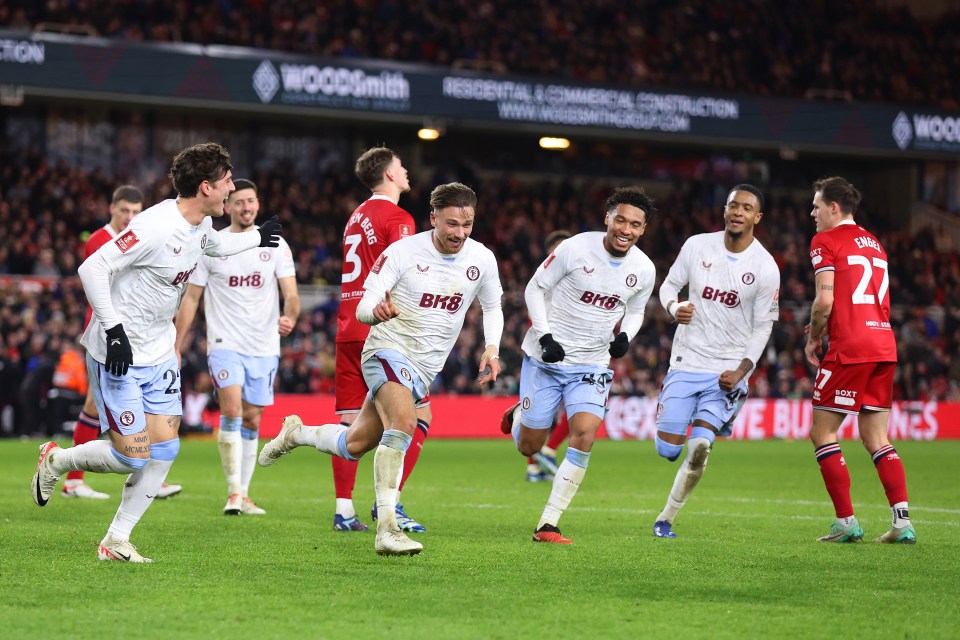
<point>255,373</point>
<point>123,400</point>
<point>392,366</point>
<point>687,396</point>
<point>543,387</point>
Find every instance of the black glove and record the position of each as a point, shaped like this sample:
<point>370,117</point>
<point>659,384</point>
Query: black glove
<point>620,345</point>
<point>552,351</point>
<point>119,352</point>
<point>270,233</point>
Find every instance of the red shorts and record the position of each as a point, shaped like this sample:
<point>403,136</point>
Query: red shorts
<point>350,390</point>
<point>848,388</point>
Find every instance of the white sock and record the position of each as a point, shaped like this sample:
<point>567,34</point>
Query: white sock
<point>533,468</point>
<point>230,457</point>
<point>547,451</point>
<point>248,463</point>
<point>324,437</point>
<point>688,475</point>
<point>96,456</point>
<point>387,469</point>
<point>345,507</point>
<point>565,485</point>
<point>901,515</point>
<point>138,493</point>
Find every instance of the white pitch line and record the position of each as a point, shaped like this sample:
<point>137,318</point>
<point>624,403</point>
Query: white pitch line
<point>691,512</point>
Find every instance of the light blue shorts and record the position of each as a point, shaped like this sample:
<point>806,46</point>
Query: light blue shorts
<point>581,389</point>
<point>687,396</point>
<point>389,365</point>
<point>255,373</point>
<point>123,400</point>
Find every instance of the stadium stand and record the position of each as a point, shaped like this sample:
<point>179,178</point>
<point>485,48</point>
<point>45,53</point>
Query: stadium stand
<point>752,46</point>
<point>48,206</point>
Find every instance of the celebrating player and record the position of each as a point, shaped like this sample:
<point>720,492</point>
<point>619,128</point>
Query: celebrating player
<point>594,279</point>
<point>415,299</point>
<point>127,202</point>
<point>855,377</point>
<point>377,223</point>
<point>134,285</point>
<point>734,286</point>
<point>244,326</point>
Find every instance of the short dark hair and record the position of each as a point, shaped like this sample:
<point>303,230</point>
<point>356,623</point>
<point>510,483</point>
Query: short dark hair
<point>634,196</point>
<point>555,237</point>
<point>749,188</point>
<point>454,194</point>
<point>127,192</point>
<point>243,183</point>
<point>837,189</point>
<point>372,164</point>
<point>191,167</point>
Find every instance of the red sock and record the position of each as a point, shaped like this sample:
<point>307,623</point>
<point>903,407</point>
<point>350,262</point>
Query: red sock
<point>530,460</point>
<point>413,451</point>
<point>836,477</point>
<point>344,476</point>
<point>560,432</point>
<point>87,429</point>
<point>892,475</point>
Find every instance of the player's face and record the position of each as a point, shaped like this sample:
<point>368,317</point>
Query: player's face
<point>823,213</point>
<point>451,228</point>
<point>398,173</point>
<point>243,206</point>
<point>741,214</point>
<point>215,194</point>
<point>122,212</point>
<point>625,224</point>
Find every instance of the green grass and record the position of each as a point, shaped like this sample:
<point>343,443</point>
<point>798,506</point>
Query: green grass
<point>746,564</point>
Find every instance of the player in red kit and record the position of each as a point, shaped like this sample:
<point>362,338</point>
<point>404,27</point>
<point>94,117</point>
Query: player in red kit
<point>127,202</point>
<point>377,223</point>
<point>855,376</point>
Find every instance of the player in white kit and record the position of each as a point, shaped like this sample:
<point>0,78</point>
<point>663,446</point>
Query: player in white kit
<point>591,282</point>
<point>134,285</point>
<point>415,297</point>
<point>734,288</point>
<point>244,326</point>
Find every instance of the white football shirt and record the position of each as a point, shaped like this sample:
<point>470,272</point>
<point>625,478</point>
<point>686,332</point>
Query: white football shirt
<point>732,293</point>
<point>590,291</point>
<point>149,265</point>
<point>432,291</point>
<point>242,300</point>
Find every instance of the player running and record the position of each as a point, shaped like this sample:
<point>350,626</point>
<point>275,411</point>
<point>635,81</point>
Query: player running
<point>734,287</point>
<point>594,281</point>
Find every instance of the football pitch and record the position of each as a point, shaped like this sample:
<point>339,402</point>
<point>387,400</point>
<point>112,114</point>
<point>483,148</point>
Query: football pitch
<point>746,564</point>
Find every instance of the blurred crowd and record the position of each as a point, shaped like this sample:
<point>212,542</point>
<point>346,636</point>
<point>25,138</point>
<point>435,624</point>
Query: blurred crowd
<point>859,49</point>
<point>46,213</point>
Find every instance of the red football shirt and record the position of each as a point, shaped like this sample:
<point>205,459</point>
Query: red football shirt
<point>97,239</point>
<point>859,325</point>
<point>375,225</point>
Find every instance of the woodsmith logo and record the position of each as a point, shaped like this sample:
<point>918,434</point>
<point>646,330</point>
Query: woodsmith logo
<point>927,132</point>
<point>335,87</point>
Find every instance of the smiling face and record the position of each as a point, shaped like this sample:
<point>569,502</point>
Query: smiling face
<point>741,214</point>
<point>451,228</point>
<point>243,205</point>
<point>625,224</point>
<point>214,194</point>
